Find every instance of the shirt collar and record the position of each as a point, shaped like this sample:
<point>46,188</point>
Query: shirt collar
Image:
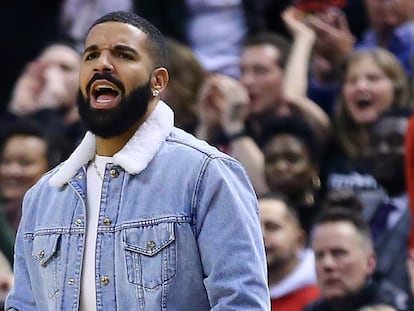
<point>134,157</point>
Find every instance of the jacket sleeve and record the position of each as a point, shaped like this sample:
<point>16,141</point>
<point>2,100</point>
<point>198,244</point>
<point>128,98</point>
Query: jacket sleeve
<point>229,238</point>
<point>20,296</point>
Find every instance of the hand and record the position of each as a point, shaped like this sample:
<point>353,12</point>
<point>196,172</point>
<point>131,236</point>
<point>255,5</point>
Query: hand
<point>293,19</point>
<point>27,89</point>
<point>223,102</point>
<point>334,40</point>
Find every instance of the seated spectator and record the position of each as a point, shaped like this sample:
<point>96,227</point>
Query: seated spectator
<point>47,90</point>
<point>26,153</point>
<point>291,166</point>
<point>345,263</point>
<point>373,81</point>
<point>292,279</point>
<point>390,27</point>
<point>186,78</point>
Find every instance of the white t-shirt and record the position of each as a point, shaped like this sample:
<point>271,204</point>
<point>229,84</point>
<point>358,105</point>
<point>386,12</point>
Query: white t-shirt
<point>93,198</point>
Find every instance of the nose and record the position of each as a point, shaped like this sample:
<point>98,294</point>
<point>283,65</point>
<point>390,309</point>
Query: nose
<point>103,63</point>
<point>362,84</point>
<point>247,78</point>
<point>326,262</point>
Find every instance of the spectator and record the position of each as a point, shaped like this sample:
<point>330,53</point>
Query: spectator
<point>186,78</point>
<point>388,210</point>
<point>26,153</point>
<point>47,91</point>
<point>292,279</point>
<point>292,164</point>
<point>373,81</point>
<point>345,264</point>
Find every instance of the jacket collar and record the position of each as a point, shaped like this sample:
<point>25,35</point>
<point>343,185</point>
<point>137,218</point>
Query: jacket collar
<point>133,157</point>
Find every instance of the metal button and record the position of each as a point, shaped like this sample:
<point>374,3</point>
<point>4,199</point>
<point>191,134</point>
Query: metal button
<point>104,280</point>
<point>78,222</point>
<point>79,177</point>
<point>71,281</point>
<point>151,245</point>
<point>107,222</point>
<point>114,173</point>
<point>41,254</point>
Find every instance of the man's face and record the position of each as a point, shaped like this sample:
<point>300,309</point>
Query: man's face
<point>114,79</point>
<point>66,62</point>
<point>387,153</point>
<point>288,166</point>
<point>388,14</point>
<point>282,235</point>
<point>262,77</point>
<point>343,260</point>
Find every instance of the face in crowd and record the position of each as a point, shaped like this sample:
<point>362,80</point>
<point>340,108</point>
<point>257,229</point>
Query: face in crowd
<point>344,259</point>
<point>387,14</point>
<point>20,169</point>
<point>66,61</point>
<point>282,234</point>
<point>387,153</point>
<point>367,90</point>
<point>262,76</point>
<point>288,165</point>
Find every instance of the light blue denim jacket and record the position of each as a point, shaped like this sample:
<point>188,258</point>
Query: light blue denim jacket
<point>178,230</point>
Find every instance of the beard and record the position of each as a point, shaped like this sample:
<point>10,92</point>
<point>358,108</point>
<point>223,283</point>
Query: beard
<point>115,121</point>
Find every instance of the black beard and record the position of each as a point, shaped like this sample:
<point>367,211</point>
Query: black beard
<point>116,121</point>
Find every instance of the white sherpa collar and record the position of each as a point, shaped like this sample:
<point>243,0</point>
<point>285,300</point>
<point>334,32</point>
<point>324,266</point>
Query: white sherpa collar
<point>133,157</point>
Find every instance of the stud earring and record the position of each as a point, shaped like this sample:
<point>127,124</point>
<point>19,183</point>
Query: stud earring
<point>155,93</point>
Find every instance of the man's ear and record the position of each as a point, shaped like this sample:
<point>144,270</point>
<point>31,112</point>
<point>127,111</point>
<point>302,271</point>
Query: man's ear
<point>159,79</point>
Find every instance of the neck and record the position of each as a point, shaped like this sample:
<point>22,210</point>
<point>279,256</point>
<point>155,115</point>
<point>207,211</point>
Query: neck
<point>281,270</point>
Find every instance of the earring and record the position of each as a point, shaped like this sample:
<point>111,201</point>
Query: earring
<point>316,182</point>
<point>155,93</point>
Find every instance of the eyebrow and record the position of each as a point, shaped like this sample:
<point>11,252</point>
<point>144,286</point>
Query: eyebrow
<point>118,47</point>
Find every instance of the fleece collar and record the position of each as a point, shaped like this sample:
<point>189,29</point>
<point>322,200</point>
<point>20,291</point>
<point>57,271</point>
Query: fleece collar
<point>133,157</point>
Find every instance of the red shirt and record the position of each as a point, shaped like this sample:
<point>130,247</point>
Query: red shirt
<point>297,300</point>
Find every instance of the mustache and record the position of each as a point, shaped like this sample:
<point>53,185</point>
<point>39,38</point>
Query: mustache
<point>105,76</point>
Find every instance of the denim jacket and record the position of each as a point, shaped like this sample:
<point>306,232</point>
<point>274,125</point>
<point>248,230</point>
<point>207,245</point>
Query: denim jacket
<point>178,230</point>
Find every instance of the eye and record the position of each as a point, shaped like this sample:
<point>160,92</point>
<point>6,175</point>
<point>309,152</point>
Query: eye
<point>125,56</point>
<point>91,56</point>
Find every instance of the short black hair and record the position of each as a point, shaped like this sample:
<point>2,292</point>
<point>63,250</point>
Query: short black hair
<point>290,207</point>
<point>281,43</point>
<point>57,146</point>
<point>295,126</point>
<point>156,42</point>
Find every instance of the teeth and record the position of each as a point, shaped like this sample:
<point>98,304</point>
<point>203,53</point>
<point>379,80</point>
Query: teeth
<point>103,101</point>
<point>100,87</point>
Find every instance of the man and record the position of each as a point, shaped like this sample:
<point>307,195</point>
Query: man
<point>387,209</point>
<point>345,263</point>
<point>292,279</point>
<point>142,215</point>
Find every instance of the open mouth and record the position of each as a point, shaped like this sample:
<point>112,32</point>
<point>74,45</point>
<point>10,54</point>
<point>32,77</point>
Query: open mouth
<point>364,103</point>
<point>104,95</point>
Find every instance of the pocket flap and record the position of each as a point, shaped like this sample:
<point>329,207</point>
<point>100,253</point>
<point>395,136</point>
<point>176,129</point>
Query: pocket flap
<point>148,240</point>
<point>44,247</point>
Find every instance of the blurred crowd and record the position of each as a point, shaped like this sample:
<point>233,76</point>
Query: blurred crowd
<point>313,97</point>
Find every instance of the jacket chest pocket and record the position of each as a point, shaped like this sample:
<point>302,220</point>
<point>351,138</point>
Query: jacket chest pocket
<point>150,253</point>
<point>45,254</point>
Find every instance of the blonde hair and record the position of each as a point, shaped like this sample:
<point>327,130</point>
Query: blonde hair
<point>352,137</point>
